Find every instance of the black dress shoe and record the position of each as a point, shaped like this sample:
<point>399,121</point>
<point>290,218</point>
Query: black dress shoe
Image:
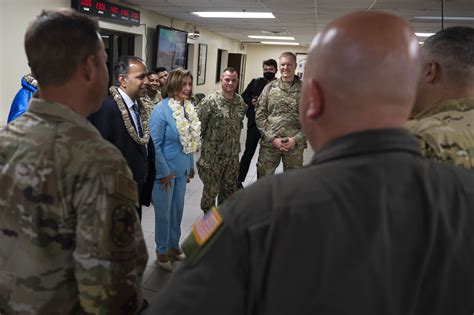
<point>143,306</point>
<point>239,185</point>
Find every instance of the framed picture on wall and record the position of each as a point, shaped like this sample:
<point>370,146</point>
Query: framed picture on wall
<point>300,62</point>
<point>202,60</point>
<point>170,48</point>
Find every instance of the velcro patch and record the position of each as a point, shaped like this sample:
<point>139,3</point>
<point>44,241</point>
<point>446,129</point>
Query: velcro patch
<point>126,187</point>
<point>205,228</point>
<point>123,225</point>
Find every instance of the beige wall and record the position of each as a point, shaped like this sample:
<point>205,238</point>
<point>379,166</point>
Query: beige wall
<point>256,53</point>
<point>14,18</point>
<point>214,42</point>
<point>15,15</point>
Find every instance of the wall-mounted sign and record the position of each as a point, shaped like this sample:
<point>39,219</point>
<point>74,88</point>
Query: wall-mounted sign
<point>107,10</point>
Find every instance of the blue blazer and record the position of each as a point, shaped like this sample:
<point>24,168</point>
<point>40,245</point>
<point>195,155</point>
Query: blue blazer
<point>170,158</point>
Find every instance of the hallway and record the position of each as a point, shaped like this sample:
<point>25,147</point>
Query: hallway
<point>155,279</point>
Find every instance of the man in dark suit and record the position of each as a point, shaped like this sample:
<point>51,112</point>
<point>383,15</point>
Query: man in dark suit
<point>250,96</point>
<point>123,120</point>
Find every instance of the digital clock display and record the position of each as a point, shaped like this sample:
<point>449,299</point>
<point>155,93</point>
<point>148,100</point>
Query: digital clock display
<point>107,10</point>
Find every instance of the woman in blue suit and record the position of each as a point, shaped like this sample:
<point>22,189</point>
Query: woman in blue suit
<point>176,133</point>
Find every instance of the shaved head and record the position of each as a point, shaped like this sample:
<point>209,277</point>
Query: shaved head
<point>361,73</point>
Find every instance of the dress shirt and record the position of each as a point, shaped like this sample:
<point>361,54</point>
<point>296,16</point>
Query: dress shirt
<point>129,102</point>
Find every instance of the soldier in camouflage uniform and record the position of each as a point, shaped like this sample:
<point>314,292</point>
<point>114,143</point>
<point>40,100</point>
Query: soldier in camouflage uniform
<point>444,108</point>
<point>70,239</point>
<point>153,93</point>
<point>162,77</point>
<point>221,114</point>
<point>277,119</point>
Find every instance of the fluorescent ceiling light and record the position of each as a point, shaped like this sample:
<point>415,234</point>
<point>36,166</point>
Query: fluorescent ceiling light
<point>421,43</point>
<point>281,43</point>
<point>424,34</point>
<point>236,15</point>
<point>272,37</point>
<point>446,18</point>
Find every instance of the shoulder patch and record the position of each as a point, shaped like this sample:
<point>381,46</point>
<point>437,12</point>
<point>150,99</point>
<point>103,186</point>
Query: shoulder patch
<point>202,234</point>
<point>123,225</point>
<point>205,227</point>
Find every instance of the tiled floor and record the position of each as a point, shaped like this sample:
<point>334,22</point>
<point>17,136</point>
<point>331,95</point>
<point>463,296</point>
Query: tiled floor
<point>154,279</point>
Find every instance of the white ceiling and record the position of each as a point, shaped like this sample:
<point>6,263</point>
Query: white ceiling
<point>301,18</point>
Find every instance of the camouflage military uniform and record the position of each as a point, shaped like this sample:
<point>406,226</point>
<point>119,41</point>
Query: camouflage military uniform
<point>446,132</point>
<point>218,166</point>
<point>277,115</point>
<point>150,102</point>
<point>70,239</point>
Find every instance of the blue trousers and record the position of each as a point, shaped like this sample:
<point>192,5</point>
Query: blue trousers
<point>168,213</point>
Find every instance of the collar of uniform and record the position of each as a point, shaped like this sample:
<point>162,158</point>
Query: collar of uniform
<point>287,85</point>
<point>369,141</point>
<point>221,95</point>
<point>462,104</point>
<point>44,107</point>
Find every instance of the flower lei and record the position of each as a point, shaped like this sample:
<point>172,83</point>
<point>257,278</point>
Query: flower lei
<point>30,80</point>
<point>189,128</point>
<point>126,118</point>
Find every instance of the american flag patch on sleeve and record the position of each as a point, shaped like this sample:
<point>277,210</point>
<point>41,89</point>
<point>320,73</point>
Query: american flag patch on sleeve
<point>204,228</point>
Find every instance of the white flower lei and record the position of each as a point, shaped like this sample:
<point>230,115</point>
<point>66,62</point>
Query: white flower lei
<point>189,130</point>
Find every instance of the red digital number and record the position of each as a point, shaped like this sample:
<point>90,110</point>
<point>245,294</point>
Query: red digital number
<point>114,10</point>
<point>135,15</point>
<point>86,3</point>
<point>100,6</point>
<point>124,12</point>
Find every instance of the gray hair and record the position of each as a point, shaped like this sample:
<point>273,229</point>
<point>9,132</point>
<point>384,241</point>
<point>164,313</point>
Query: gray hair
<point>453,49</point>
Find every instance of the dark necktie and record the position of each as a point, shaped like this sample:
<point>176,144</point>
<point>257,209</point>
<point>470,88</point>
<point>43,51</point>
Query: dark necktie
<point>137,116</point>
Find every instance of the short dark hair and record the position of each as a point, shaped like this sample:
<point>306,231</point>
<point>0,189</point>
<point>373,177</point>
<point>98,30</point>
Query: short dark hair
<point>174,84</point>
<point>229,69</point>
<point>56,43</point>
<point>453,49</point>
<point>160,69</point>
<point>270,62</point>
<point>122,65</point>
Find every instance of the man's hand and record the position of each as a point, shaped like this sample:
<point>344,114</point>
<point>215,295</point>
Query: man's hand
<point>284,144</point>
<point>254,101</point>
<point>289,144</point>
<point>279,143</point>
<point>166,182</point>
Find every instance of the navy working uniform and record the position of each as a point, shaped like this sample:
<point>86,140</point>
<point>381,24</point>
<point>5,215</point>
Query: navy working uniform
<point>369,227</point>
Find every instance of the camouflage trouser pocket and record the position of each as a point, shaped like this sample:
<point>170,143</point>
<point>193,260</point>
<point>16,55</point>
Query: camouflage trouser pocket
<point>205,170</point>
<point>201,167</point>
<point>268,160</point>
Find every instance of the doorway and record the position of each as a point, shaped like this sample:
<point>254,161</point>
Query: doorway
<point>237,61</point>
<point>117,45</point>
